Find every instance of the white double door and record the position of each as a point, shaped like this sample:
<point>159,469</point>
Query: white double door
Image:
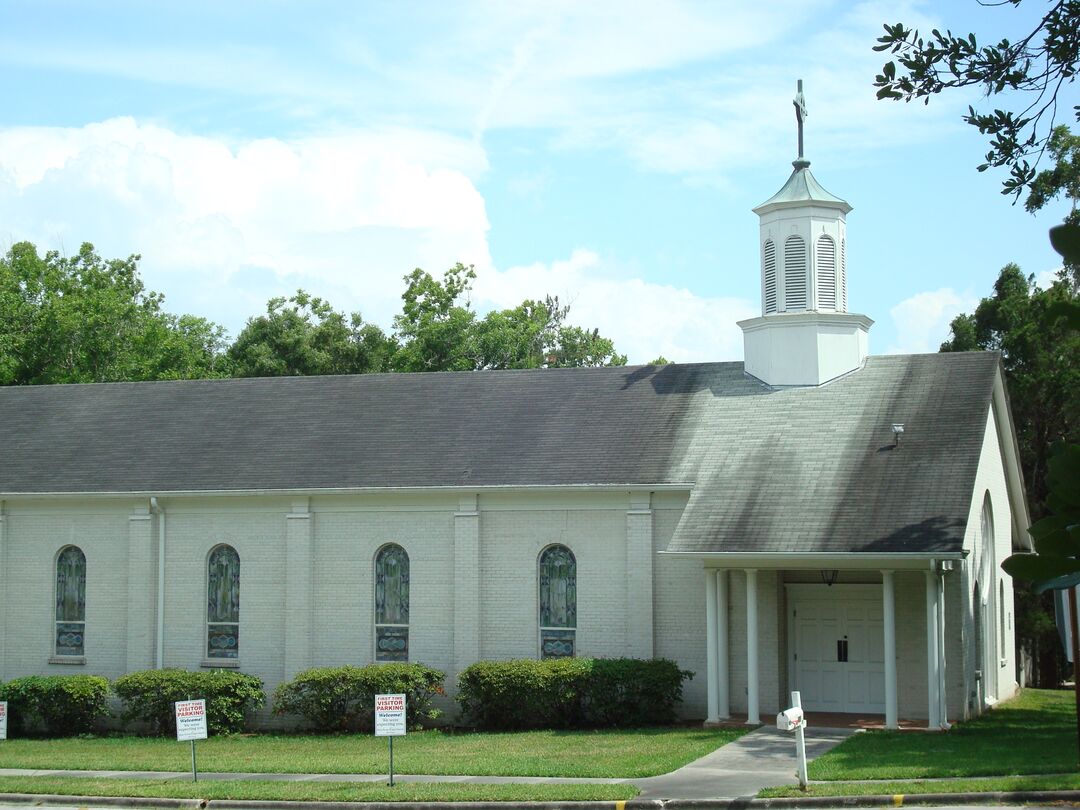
<point>837,650</point>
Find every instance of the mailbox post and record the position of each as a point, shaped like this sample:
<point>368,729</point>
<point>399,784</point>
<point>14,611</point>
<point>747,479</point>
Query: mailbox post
<point>793,719</point>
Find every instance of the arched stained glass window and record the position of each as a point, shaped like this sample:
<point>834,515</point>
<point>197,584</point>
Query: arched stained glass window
<point>558,602</point>
<point>70,601</point>
<point>223,603</point>
<point>392,604</point>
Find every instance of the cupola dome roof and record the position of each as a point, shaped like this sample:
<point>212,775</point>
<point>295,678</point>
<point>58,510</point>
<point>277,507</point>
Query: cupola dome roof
<point>802,188</point>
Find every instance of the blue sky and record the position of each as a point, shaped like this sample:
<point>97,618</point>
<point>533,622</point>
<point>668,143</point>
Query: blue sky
<point>605,152</point>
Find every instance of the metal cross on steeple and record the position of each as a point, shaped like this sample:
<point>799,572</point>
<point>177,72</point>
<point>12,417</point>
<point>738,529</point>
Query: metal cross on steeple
<point>800,114</point>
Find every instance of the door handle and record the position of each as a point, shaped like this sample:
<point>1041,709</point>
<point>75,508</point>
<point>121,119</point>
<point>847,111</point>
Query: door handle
<point>841,650</point>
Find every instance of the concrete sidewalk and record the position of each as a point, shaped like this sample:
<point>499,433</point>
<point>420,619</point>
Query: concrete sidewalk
<point>763,758</point>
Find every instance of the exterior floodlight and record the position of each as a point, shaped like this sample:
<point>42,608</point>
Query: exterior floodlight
<point>897,429</point>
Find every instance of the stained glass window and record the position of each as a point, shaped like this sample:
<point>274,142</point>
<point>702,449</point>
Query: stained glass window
<point>70,602</point>
<point>392,604</point>
<point>223,603</point>
<point>558,602</point>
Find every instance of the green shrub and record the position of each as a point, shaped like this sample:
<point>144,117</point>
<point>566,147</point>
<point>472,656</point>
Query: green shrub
<point>570,692</point>
<point>343,698</point>
<point>61,705</point>
<point>149,696</point>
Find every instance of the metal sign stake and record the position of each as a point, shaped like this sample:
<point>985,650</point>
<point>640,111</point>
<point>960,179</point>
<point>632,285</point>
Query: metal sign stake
<point>194,770</point>
<point>391,739</point>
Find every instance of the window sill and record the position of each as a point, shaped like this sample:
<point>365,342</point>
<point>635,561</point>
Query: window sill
<point>220,663</point>
<point>69,660</point>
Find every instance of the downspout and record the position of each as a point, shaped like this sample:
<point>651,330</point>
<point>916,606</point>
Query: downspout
<point>159,636</point>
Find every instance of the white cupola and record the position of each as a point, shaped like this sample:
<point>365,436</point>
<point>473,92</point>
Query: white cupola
<point>805,335</point>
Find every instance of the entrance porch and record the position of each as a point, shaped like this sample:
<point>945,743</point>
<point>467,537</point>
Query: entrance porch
<point>856,641</point>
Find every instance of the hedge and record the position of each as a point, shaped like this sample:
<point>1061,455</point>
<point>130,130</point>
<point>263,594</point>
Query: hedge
<point>343,698</point>
<point>570,692</point>
<point>62,705</point>
<point>149,696</point>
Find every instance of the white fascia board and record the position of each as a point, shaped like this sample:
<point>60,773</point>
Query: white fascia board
<point>819,559</point>
<point>1014,474</point>
<point>226,493</point>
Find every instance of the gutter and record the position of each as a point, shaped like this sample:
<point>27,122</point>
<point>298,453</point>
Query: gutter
<point>819,559</point>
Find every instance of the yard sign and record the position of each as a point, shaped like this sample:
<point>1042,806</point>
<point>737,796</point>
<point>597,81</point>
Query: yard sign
<point>3,719</point>
<point>390,722</point>
<point>191,725</point>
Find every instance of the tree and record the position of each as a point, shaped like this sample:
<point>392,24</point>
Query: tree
<point>433,328</point>
<point>304,335</point>
<point>1063,179</point>
<point>439,333</point>
<point>1036,67</point>
<point>84,319</point>
<point>1041,358</point>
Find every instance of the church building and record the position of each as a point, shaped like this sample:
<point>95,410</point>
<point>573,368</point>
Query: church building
<point>812,518</point>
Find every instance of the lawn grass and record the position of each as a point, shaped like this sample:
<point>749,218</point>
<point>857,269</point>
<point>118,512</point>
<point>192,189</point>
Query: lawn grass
<point>993,784</point>
<point>312,791</point>
<point>1031,734</point>
<point>605,753</point>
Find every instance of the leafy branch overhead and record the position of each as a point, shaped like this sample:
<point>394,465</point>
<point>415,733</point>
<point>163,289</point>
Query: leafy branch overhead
<point>1034,70</point>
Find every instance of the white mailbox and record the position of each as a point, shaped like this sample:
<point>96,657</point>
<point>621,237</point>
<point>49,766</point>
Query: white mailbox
<point>790,719</point>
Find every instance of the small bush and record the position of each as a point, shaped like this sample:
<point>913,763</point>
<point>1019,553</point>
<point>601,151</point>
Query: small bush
<point>149,696</point>
<point>62,705</point>
<point>343,698</point>
<point>570,692</point>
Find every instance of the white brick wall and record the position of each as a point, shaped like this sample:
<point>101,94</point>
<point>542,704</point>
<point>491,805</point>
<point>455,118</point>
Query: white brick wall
<point>473,584</point>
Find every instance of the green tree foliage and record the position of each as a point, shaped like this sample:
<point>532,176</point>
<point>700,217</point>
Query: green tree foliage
<point>84,319</point>
<point>439,331</point>
<point>1041,356</point>
<point>1064,179</point>
<point>434,329</point>
<point>1031,71</point>
<point>304,335</point>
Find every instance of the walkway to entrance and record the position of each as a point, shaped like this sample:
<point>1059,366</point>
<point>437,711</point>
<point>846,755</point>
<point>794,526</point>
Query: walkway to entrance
<point>763,758</point>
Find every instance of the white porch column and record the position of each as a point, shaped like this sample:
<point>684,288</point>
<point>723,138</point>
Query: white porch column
<point>752,710</point>
<point>943,714</point>
<point>713,676</point>
<point>888,595</point>
<point>723,693</point>
<point>932,675</point>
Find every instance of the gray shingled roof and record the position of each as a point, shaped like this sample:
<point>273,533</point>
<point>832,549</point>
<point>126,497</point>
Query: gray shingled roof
<point>772,470</point>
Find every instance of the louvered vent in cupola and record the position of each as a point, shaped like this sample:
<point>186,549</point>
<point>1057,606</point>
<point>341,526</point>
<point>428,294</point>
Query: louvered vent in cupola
<point>826,273</point>
<point>843,275</point>
<point>794,273</point>
<point>768,263</point>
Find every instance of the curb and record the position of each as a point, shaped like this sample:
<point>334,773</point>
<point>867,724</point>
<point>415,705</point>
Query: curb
<point>882,800</point>
<point>98,801</point>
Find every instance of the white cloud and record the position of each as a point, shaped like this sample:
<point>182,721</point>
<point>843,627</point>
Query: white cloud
<point>643,319</point>
<point>1046,278</point>
<point>922,321</point>
<point>222,226</point>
